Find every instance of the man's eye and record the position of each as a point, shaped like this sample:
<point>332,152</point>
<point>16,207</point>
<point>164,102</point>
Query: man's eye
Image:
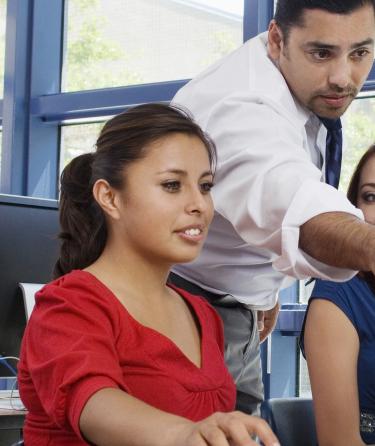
<point>360,53</point>
<point>171,186</point>
<point>207,186</point>
<point>321,54</point>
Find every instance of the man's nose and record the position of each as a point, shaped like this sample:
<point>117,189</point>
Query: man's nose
<point>340,73</point>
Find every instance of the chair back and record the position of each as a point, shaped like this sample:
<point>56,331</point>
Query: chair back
<point>28,292</point>
<point>292,420</point>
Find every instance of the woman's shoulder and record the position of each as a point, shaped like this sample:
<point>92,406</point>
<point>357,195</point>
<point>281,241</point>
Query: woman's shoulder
<point>76,289</point>
<point>354,297</point>
<point>76,280</point>
<point>341,290</point>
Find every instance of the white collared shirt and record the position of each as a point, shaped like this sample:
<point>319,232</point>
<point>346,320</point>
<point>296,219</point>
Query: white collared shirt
<point>268,182</point>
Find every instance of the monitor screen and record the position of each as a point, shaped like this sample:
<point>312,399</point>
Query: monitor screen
<point>28,252</point>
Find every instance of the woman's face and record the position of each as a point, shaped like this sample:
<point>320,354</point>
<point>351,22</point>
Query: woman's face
<point>366,191</point>
<point>166,206</point>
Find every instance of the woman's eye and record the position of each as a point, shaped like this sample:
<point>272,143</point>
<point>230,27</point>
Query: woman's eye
<point>206,187</point>
<point>369,197</point>
<point>172,186</point>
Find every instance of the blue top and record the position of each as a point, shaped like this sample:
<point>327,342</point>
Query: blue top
<point>356,299</point>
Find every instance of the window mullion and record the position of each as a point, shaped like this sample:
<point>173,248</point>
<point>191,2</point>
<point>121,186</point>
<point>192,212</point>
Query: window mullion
<point>16,97</point>
<point>257,15</point>
<point>46,63</point>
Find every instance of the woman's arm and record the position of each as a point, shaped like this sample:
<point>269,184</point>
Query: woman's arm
<point>331,346</point>
<point>111,417</point>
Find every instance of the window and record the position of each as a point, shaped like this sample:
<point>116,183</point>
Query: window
<point>85,60</point>
<point>76,140</point>
<point>117,43</point>
<point>359,134</point>
<point>114,43</point>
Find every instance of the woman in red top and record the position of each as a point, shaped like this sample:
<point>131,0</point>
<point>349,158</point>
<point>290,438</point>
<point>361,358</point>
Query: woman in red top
<point>112,355</point>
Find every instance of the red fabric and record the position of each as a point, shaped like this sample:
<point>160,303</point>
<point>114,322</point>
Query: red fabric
<point>81,339</point>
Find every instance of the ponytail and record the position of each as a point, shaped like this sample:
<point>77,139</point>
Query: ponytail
<point>83,230</point>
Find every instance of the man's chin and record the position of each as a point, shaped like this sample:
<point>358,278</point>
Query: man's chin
<point>329,113</point>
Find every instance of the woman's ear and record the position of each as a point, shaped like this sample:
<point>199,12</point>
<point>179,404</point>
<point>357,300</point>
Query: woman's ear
<point>275,41</point>
<point>106,197</point>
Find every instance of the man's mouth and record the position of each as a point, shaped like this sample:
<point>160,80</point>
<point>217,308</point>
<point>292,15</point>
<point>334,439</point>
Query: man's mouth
<point>335,100</point>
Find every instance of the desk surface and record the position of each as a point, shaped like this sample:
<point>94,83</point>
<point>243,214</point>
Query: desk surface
<point>12,419</point>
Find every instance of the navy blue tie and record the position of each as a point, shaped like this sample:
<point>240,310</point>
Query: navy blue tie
<point>333,150</point>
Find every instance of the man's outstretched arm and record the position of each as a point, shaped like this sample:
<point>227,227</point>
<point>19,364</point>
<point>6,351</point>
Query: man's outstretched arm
<point>339,239</point>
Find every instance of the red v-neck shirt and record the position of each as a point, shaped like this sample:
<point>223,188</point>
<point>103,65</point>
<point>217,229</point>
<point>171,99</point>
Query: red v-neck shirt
<point>81,339</point>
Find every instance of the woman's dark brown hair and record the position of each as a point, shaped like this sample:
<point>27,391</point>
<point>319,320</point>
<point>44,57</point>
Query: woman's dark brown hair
<point>122,141</point>
<point>352,194</point>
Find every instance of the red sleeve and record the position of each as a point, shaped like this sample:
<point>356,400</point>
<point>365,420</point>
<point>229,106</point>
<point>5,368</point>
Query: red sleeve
<point>70,347</point>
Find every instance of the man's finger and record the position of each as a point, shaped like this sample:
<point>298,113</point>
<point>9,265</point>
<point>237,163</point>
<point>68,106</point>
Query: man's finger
<point>260,320</point>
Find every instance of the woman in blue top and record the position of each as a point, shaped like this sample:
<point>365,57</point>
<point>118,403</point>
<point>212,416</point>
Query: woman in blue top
<point>339,340</point>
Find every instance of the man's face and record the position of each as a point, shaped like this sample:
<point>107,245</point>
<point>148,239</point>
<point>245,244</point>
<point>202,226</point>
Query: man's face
<point>326,61</point>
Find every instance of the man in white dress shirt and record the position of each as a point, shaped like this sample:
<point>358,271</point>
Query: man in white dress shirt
<point>275,216</point>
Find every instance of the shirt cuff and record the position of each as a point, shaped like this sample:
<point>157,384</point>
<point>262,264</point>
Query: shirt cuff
<point>81,393</point>
<point>311,199</point>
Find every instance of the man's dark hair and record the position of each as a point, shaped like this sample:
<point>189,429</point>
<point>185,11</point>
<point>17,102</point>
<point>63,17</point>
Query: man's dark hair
<point>290,13</point>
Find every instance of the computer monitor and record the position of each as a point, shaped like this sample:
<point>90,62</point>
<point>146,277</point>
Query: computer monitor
<point>28,252</point>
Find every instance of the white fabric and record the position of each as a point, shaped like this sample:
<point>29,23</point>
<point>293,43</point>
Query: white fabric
<point>28,292</point>
<point>268,181</point>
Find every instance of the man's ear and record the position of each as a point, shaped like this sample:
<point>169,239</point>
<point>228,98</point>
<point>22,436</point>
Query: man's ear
<point>275,41</point>
<point>106,197</point>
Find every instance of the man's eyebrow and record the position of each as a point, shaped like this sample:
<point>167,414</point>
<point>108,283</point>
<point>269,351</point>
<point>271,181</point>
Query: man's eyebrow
<point>369,41</point>
<point>326,46</point>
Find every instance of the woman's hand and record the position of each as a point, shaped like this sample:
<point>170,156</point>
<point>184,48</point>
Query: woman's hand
<point>226,429</point>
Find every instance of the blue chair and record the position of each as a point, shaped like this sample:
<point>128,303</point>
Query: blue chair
<point>292,420</point>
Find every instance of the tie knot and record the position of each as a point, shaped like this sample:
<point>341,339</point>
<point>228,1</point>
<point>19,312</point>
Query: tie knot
<point>331,124</point>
